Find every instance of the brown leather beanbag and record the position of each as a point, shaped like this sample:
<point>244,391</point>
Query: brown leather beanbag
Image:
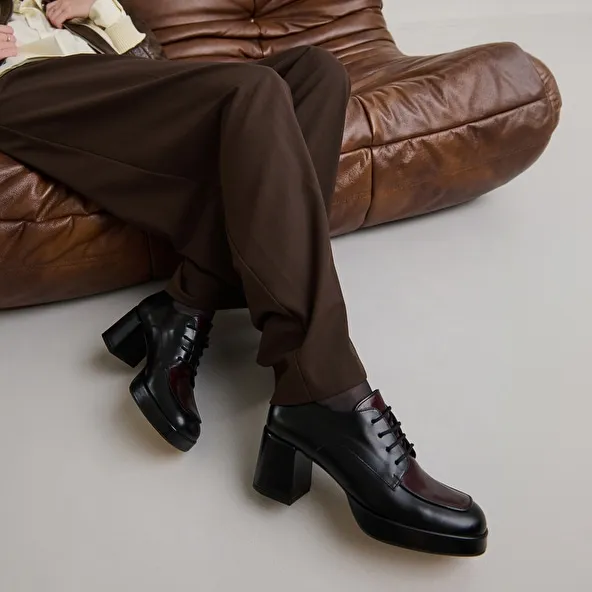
<point>423,133</point>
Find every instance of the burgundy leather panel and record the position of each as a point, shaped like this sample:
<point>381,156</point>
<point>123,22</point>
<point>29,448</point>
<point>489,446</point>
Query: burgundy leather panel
<point>180,381</point>
<point>418,482</point>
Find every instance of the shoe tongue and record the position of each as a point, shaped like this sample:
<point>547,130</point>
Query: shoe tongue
<point>203,318</point>
<point>372,401</point>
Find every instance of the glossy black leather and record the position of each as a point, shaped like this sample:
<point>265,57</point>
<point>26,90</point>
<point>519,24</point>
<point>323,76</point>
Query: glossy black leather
<point>347,445</point>
<point>175,342</point>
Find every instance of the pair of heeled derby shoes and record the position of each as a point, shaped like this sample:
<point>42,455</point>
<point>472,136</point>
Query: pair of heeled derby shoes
<point>391,497</point>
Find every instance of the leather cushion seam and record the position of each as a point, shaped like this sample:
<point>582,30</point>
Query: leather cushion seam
<point>481,49</point>
<point>454,127</point>
<point>472,167</point>
<point>79,262</point>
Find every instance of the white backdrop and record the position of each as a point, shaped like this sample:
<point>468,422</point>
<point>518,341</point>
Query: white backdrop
<point>404,11</point>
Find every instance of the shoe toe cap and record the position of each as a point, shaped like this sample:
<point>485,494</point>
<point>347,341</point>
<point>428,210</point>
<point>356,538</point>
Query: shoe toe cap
<point>447,509</point>
<point>471,522</point>
<point>194,427</point>
<point>190,426</point>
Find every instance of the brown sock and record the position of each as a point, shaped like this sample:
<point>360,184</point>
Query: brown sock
<point>348,400</point>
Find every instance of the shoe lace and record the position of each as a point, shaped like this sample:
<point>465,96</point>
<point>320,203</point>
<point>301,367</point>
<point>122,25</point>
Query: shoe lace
<point>400,436</point>
<point>193,344</point>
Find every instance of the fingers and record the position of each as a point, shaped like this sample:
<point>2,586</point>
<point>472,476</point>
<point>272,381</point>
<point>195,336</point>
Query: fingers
<point>58,13</point>
<point>8,49</point>
<point>7,42</point>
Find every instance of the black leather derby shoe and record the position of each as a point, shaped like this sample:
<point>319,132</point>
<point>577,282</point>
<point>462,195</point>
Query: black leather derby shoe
<point>173,343</point>
<point>392,498</point>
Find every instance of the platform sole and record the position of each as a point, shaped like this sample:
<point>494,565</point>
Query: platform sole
<point>392,533</point>
<point>284,473</point>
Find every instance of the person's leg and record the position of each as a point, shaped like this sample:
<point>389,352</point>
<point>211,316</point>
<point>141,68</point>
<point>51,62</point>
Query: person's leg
<point>316,80</point>
<point>278,233</point>
<point>131,136</point>
<point>319,87</point>
<point>353,435</point>
<point>279,145</point>
<point>320,90</point>
<point>142,139</point>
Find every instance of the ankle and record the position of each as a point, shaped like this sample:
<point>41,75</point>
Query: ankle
<point>348,400</point>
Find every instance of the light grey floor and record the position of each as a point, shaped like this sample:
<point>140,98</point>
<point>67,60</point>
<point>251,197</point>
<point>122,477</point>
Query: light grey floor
<point>475,324</point>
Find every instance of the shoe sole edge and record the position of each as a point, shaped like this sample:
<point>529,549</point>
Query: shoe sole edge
<point>391,532</point>
<point>415,539</point>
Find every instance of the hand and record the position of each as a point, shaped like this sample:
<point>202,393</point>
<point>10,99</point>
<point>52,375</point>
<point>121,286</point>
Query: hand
<point>7,42</point>
<point>60,11</point>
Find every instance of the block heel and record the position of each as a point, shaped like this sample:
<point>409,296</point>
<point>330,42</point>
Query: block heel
<point>125,339</point>
<point>283,473</point>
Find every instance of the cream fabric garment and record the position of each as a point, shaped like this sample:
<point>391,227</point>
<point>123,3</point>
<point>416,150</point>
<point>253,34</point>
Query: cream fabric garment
<point>37,39</point>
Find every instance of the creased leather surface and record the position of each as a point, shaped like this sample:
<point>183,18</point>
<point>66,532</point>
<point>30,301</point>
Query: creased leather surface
<point>423,133</point>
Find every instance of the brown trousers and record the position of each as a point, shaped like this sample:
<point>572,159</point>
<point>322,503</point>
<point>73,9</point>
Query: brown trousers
<point>234,163</point>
